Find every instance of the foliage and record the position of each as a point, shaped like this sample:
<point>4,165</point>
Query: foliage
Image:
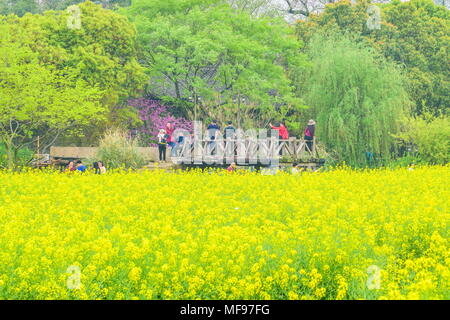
<point>223,63</point>
<point>414,34</point>
<point>156,235</point>
<point>23,157</point>
<point>431,137</point>
<point>118,150</point>
<point>20,7</point>
<point>38,99</point>
<point>155,116</point>
<point>417,35</point>
<point>101,53</point>
<point>358,99</point>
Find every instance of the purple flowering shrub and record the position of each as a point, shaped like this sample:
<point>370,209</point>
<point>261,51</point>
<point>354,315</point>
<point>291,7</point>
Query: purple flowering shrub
<point>155,116</point>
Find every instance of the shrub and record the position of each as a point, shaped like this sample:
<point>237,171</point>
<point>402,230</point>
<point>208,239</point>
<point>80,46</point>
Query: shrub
<point>118,150</point>
<point>428,136</point>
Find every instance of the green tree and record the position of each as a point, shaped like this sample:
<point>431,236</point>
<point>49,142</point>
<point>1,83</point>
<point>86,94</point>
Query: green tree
<point>101,52</point>
<point>417,35</point>
<point>357,98</point>
<point>18,7</point>
<point>221,62</point>
<point>414,34</point>
<point>21,7</point>
<point>37,98</point>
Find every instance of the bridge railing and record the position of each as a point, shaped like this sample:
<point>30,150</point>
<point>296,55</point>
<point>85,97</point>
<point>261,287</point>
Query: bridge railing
<point>253,150</point>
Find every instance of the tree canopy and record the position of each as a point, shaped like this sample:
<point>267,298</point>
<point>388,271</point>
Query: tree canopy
<point>56,70</point>
<point>38,99</point>
<point>21,7</point>
<point>414,34</point>
<point>101,52</point>
<point>217,59</point>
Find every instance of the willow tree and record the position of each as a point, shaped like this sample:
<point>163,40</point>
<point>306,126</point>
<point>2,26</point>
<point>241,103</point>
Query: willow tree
<point>357,98</point>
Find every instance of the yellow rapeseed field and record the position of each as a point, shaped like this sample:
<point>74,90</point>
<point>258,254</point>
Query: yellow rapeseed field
<point>342,234</point>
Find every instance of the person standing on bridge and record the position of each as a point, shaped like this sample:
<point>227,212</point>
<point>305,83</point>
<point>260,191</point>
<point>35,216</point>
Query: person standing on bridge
<point>179,142</point>
<point>162,144</point>
<point>283,133</point>
<point>229,130</point>
<point>170,128</point>
<point>213,129</point>
<point>310,131</point>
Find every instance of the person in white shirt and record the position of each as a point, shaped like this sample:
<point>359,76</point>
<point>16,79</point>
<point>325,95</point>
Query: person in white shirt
<point>101,167</point>
<point>162,144</point>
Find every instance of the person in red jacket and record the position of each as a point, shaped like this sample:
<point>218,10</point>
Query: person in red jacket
<point>310,131</point>
<point>283,133</point>
<point>169,131</point>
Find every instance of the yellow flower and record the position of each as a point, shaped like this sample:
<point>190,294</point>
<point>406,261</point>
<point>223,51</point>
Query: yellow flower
<point>161,235</point>
<point>135,274</point>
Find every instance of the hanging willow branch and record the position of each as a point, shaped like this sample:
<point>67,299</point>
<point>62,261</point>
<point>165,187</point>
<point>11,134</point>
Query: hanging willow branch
<point>357,97</point>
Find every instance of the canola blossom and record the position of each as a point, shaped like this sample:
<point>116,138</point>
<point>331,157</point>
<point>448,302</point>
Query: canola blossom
<point>341,234</point>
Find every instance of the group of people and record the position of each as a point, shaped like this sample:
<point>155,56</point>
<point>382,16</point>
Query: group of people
<point>166,136</point>
<point>98,167</point>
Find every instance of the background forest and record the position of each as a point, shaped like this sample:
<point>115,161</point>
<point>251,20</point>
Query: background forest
<point>375,76</point>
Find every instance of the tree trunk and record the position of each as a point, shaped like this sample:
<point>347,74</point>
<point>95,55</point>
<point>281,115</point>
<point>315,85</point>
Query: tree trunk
<point>11,153</point>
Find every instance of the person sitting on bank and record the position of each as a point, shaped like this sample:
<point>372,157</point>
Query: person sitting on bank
<point>101,167</point>
<point>295,168</point>
<point>80,166</point>
<point>232,167</point>
<point>96,168</point>
<point>71,167</point>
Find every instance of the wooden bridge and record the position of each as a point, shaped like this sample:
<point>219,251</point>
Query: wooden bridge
<point>244,152</point>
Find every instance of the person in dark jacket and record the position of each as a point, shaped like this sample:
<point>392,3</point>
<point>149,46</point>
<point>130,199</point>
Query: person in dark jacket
<point>213,129</point>
<point>229,130</point>
<point>96,167</point>
<point>310,131</point>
